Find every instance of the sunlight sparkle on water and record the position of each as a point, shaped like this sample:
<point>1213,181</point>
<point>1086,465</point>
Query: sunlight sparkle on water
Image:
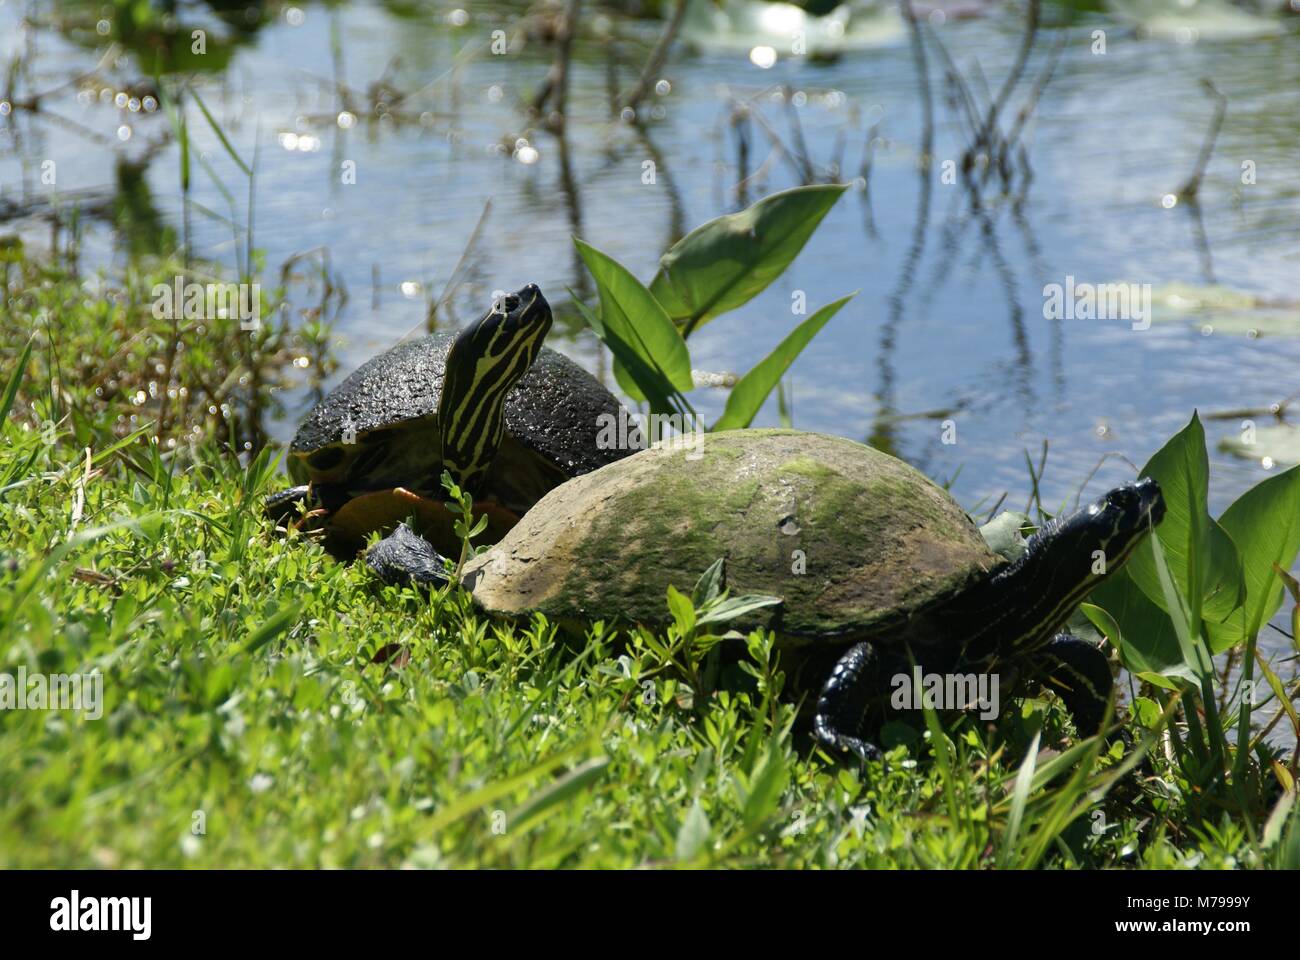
<point>780,19</point>
<point>301,142</point>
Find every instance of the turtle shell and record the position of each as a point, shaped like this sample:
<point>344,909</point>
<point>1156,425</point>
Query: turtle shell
<point>552,420</point>
<point>852,539</point>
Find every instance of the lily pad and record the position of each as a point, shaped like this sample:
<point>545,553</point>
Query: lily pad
<point>1280,443</point>
<point>1224,310</point>
<point>1186,21</point>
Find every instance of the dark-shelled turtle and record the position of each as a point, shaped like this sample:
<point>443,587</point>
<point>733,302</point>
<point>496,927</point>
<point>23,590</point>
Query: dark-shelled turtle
<point>508,418</point>
<point>879,571</point>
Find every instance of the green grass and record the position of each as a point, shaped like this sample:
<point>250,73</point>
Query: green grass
<point>302,715</point>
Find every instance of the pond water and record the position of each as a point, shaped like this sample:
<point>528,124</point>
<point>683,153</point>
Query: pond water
<point>948,332</point>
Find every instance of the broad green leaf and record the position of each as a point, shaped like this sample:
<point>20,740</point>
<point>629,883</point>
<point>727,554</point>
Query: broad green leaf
<point>682,609</point>
<point>1141,631</point>
<point>1264,523</point>
<point>728,261</point>
<point>751,391</point>
<point>639,380</point>
<point>730,608</point>
<point>1190,641</point>
<point>710,584</point>
<point>1146,712</point>
<point>1190,537</point>
<point>1003,534</point>
<point>650,354</point>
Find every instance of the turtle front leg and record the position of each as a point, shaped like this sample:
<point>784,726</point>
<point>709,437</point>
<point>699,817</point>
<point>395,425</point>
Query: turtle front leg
<point>1079,674</point>
<point>405,557</point>
<point>843,701</point>
<point>287,504</point>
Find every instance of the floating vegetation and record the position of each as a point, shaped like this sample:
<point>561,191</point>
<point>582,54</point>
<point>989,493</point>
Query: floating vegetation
<point>1221,309</point>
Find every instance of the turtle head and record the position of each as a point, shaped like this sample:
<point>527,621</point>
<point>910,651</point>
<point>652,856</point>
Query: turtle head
<point>498,348</point>
<point>523,316</point>
<point>485,361</point>
<point>1067,558</point>
<point>1086,546</point>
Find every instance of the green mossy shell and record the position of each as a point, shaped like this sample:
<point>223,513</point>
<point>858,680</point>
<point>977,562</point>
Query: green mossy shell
<point>848,536</point>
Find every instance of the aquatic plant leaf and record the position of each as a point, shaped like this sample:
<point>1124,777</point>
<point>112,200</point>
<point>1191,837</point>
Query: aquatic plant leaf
<point>1206,19</point>
<point>638,379</point>
<point>1003,535</point>
<point>648,347</point>
<point>1142,632</point>
<point>1264,523</point>
<point>1190,537</point>
<point>1182,613</point>
<point>751,391</point>
<point>729,260</point>
<point>1224,310</point>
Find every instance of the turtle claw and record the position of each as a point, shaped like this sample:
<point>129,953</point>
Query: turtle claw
<point>834,741</point>
<point>864,750</point>
<point>404,557</point>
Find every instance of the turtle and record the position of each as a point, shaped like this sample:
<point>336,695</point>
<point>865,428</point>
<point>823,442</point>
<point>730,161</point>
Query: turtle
<point>879,572</point>
<point>506,417</point>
